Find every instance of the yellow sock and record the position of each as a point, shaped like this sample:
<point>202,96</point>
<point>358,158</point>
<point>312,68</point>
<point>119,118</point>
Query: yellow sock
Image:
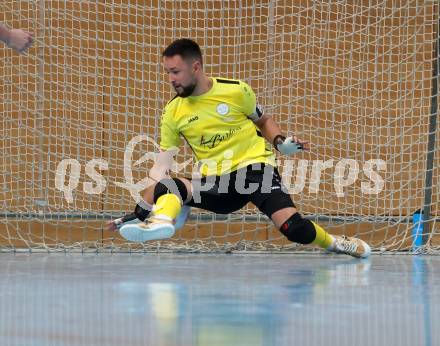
<point>323,239</point>
<point>168,205</point>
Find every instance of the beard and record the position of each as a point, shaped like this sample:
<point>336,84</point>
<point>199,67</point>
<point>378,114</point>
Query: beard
<point>185,91</point>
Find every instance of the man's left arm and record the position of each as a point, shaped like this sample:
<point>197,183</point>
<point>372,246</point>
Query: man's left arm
<point>272,132</point>
<point>268,127</point>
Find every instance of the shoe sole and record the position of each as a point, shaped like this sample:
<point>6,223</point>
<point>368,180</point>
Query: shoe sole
<point>138,234</point>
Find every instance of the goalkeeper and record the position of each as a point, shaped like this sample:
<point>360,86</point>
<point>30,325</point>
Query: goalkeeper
<point>229,136</point>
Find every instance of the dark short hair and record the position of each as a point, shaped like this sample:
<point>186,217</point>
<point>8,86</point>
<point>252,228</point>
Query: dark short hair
<point>184,47</point>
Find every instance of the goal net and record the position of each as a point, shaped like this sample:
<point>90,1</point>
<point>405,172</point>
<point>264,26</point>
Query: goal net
<point>81,109</point>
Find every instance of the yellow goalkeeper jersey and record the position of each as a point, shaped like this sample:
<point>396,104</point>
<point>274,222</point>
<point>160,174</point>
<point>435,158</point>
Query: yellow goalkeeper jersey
<point>218,126</point>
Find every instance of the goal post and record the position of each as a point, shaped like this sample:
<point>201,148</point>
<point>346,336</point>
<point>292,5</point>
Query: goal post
<point>81,109</point>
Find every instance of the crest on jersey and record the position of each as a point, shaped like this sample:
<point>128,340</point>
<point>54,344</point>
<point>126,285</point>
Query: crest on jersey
<point>222,109</point>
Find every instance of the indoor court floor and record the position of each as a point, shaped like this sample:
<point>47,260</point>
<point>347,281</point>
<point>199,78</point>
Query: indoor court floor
<point>236,299</point>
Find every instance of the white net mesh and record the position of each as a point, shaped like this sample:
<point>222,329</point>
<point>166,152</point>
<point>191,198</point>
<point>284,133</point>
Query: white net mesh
<point>353,78</point>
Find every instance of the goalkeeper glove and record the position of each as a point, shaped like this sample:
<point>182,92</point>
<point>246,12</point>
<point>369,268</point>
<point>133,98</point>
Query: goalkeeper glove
<point>287,146</point>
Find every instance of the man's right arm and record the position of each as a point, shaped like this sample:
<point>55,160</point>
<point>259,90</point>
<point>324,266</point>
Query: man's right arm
<point>16,39</point>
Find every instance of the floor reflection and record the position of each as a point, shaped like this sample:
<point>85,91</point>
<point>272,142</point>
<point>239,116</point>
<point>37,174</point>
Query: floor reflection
<point>218,300</point>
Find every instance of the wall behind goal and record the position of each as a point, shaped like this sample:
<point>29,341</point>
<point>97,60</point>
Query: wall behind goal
<point>354,79</point>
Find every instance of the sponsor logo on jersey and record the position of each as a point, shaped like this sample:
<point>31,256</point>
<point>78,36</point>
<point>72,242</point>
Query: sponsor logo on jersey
<point>194,118</point>
<point>222,109</point>
<point>214,140</point>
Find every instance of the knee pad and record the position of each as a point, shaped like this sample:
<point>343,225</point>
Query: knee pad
<point>298,229</point>
<point>174,186</point>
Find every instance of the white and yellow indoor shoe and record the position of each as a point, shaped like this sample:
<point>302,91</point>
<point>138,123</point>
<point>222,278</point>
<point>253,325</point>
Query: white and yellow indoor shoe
<point>157,227</point>
<point>350,246</point>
